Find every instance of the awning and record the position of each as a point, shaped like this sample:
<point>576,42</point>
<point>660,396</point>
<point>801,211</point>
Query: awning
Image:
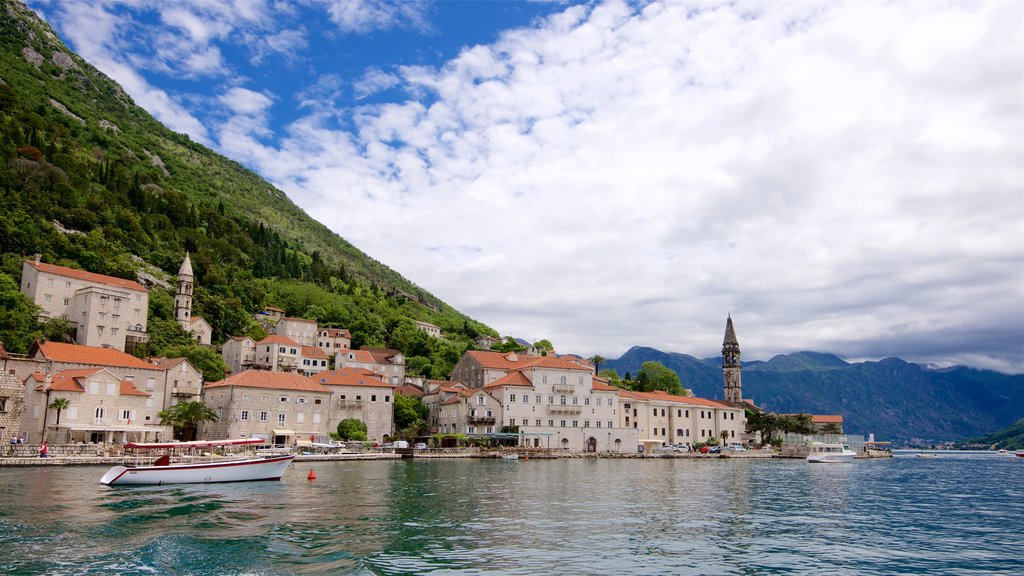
<point>125,428</point>
<point>283,432</point>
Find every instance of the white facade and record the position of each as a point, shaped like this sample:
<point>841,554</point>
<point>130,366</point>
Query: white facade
<point>239,353</point>
<point>298,329</point>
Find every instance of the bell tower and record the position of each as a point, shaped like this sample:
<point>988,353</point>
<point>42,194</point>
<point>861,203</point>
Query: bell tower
<point>183,294</point>
<point>731,368</point>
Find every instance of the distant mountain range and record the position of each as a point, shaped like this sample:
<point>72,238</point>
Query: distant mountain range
<point>892,398</point>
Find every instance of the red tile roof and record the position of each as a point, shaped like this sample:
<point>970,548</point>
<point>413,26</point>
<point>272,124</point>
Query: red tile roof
<point>361,356</point>
<point>662,396</point>
<point>278,339</point>
<point>76,354</point>
<point>827,418</point>
<point>510,361</point>
<point>313,352</point>
<point>410,390</point>
<point>603,386</point>
<point>87,276</point>
<point>351,377</point>
<point>270,381</point>
<point>381,355</point>
<point>65,380</point>
<point>337,332</point>
<point>516,378</point>
<point>128,389</point>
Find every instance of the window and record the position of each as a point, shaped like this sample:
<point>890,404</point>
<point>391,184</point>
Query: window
<point>609,401</point>
<point>662,411</point>
<point>317,401</point>
<point>538,400</point>
<point>471,430</point>
<point>586,401</point>
<point>489,414</point>
<point>511,421</point>
<point>687,413</point>
<point>47,297</point>
<point>655,411</point>
<point>562,379</point>
<point>511,397</point>
<point>281,350</point>
<point>586,423</point>
<point>244,416</point>
<point>551,423</point>
<point>387,398</point>
<point>526,398</point>
<point>264,416</point>
<point>562,424</point>
<point>609,423</point>
<point>67,301</point>
<point>551,399</point>
<point>265,398</point>
<point>281,417</point>
<point>99,412</point>
<point>562,399</point>
<point>373,397</point>
<point>538,422</point>
<point>283,399</point>
<point>244,396</point>
<point>3,404</point>
<point>575,400</point>
<point>479,400</point>
<point>49,281</point>
<point>575,423</point>
<point>597,424</point>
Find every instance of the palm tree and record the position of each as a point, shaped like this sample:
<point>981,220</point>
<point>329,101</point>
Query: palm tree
<point>185,417</point>
<point>597,359</point>
<point>59,404</point>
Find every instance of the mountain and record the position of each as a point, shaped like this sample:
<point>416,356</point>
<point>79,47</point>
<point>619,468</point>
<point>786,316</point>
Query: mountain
<point>90,180</point>
<point>891,398</point>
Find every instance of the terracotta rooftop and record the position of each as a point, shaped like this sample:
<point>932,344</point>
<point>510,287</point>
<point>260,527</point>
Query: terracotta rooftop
<point>87,276</point>
<point>512,361</point>
<point>827,418</point>
<point>409,390</point>
<point>662,396</point>
<point>278,339</point>
<point>381,355</point>
<point>351,377</point>
<point>77,354</point>
<point>313,352</point>
<point>516,378</point>
<point>270,381</point>
<point>361,356</point>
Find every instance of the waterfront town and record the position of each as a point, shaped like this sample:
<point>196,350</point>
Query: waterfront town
<point>293,387</point>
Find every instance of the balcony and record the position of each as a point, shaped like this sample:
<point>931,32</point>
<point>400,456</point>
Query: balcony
<point>350,404</point>
<point>100,422</point>
<point>481,420</point>
<point>185,391</point>
<point>565,408</point>
<point>563,387</point>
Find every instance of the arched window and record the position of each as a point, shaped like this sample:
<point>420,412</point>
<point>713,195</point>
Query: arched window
<point>99,412</point>
<point>563,379</point>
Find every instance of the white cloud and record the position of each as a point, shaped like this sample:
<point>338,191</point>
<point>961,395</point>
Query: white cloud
<point>244,101</point>
<point>373,81</point>
<point>362,16</point>
<point>839,177</point>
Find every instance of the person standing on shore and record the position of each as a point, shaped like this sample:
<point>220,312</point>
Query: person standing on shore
<point>42,450</point>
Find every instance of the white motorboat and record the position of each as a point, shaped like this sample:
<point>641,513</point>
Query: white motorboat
<point>822,453</point>
<point>185,470</point>
<point>510,457</point>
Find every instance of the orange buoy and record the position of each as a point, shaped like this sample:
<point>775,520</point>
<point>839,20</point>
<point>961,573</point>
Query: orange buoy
<point>526,457</point>
<point>312,475</point>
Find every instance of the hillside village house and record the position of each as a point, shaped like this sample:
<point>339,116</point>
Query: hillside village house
<point>362,394</point>
<point>549,402</point>
<point>278,354</point>
<point>313,360</point>
<point>298,329</point>
<point>239,353</point>
<point>334,340</point>
<point>278,407</point>
<point>12,402</point>
<point>384,361</point>
<point>103,310</point>
<point>663,418</point>
<point>150,388</point>
<point>431,330</point>
<point>286,408</point>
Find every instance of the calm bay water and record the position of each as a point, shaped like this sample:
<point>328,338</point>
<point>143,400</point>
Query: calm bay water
<point>956,514</point>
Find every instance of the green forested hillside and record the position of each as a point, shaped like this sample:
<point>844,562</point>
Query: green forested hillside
<point>89,180</point>
<point>1009,438</point>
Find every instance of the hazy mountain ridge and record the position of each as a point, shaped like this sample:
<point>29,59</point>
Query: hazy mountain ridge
<point>892,398</point>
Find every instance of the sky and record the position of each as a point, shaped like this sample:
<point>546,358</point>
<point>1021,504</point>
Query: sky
<point>842,177</point>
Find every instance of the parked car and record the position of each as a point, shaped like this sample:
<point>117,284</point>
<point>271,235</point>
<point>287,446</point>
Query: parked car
<point>420,446</point>
<point>734,447</point>
<point>715,450</point>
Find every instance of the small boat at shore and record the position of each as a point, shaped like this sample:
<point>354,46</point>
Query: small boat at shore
<point>175,467</point>
<point>822,453</point>
<point>510,457</point>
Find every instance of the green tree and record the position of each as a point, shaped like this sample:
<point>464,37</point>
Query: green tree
<point>59,404</point>
<point>58,329</point>
<point>352,429</point>
<point>597,359</point>
<point>185,417</point>
<point>831,428</point>
<point>656,376</point>
<point>410,416</point>
<point>204,359</point>
<point>18,326</point>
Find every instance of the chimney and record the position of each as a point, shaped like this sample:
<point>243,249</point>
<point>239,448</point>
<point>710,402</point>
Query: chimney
<point>37,256</point>
<point>47,381</point>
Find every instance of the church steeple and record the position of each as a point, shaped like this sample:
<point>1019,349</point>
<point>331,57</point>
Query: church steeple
<point>183,294</point>
<point>731,367</point>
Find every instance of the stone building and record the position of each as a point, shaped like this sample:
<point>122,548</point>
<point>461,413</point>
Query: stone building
<point>298,329</point>
<point>384,361</point>
<point>334,340</point>
<point>660,417</point>
<point>278,354</point>
<point>361,394</point>
<point>279,407</point>
<point>239,353</point>
<point>103,310</point>
<point>431,330</point>
<point>731,366</point>
<point>12,402</point>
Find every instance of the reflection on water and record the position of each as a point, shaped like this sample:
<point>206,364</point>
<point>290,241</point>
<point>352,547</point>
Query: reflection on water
<point>899,516</point>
